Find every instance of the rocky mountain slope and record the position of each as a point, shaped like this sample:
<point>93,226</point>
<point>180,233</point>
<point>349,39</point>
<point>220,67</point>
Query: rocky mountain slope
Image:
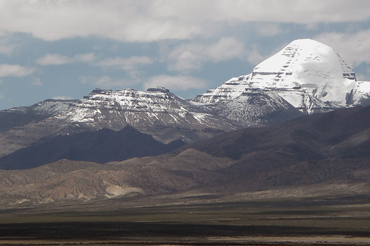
<point>330,147</point>
<point>157,112</point>
<point>71,181</point>
<point>100,146</point>
<point>327,150</point>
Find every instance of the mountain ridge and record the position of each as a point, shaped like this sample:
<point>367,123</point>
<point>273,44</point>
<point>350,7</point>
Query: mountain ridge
<point>305,77</point>
<point>305,153</point>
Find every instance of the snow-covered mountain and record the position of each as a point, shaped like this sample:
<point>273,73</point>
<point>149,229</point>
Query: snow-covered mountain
<point>303,78</point>
<point>140,109</point>
<point>307,74</point>
<point>252,107</point>
<point>156,111</point>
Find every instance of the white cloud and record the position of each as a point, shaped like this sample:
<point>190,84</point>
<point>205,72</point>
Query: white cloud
<point>130,64</point>
<point>62,98</point>
<point>122,20</point>
<point>57,59</point>
<point>88,58</point>
<point>254,56</point>
<point>288,11</point>
<point>153,20</point>
<point>186,57</point>
<point>354,48</point>
<point>107,82</point>
<point>269,29</point>
<point>225,49</point>
<point>53,59</point>
<point>7,44</point>
<point>6,49</point>
<point>191,56</point>
<point>37,81</point>
<point>7,70</point>
<point>176,82</point>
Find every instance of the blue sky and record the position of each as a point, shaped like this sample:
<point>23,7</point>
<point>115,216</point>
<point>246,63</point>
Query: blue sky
<point>66,48</point>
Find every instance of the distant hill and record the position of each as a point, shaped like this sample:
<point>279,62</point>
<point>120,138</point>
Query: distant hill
<point>317,148</point>
<point>316,155</point>
<point>100,146</point>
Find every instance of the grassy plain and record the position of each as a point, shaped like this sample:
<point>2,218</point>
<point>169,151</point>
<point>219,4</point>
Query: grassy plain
<point>193,220</point>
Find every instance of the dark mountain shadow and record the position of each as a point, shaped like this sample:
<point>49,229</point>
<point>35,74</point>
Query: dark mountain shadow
<point>101,146</point>
<point>307,150</point>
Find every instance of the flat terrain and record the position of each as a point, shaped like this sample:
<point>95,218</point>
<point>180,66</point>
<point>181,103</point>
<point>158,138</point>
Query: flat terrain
<point>194,220</point>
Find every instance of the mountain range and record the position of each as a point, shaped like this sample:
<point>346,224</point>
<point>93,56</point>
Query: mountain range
<point>300,119</point>
<point>325,153</point>
<point>305,77</point>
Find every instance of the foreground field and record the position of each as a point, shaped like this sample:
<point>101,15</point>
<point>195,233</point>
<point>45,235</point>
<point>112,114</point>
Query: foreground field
<point>195,220</point>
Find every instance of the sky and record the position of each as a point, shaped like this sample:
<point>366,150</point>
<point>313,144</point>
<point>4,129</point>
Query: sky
<point>63,49</point>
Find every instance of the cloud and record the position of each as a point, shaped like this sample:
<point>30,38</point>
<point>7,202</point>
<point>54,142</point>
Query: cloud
<point>107,82</point>
<point>53,59</point>
<point>7,70</point>
<point>288,11</point>
<point>7,44</point>
<point>130,64</point>
<point>269,29</point>
<point>57,59</point>
<point>89,57</point>
<point>191,56</point>
<point>121,20</point>
<point>176,82</point>
<point>37,81</point>
<point>62,98</point>
<point>6,49</point>
<point>170,82</point>
<point>225,49</point>
<point>353,47</point>
<point>153,20</point>
<point>1,94</point>
<point>363,74</point>
<point>254,55</point>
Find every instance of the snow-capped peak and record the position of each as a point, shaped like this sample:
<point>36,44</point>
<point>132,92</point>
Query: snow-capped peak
<point>308,64</point>
<point>306,73</point>
<point>304,52</point>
